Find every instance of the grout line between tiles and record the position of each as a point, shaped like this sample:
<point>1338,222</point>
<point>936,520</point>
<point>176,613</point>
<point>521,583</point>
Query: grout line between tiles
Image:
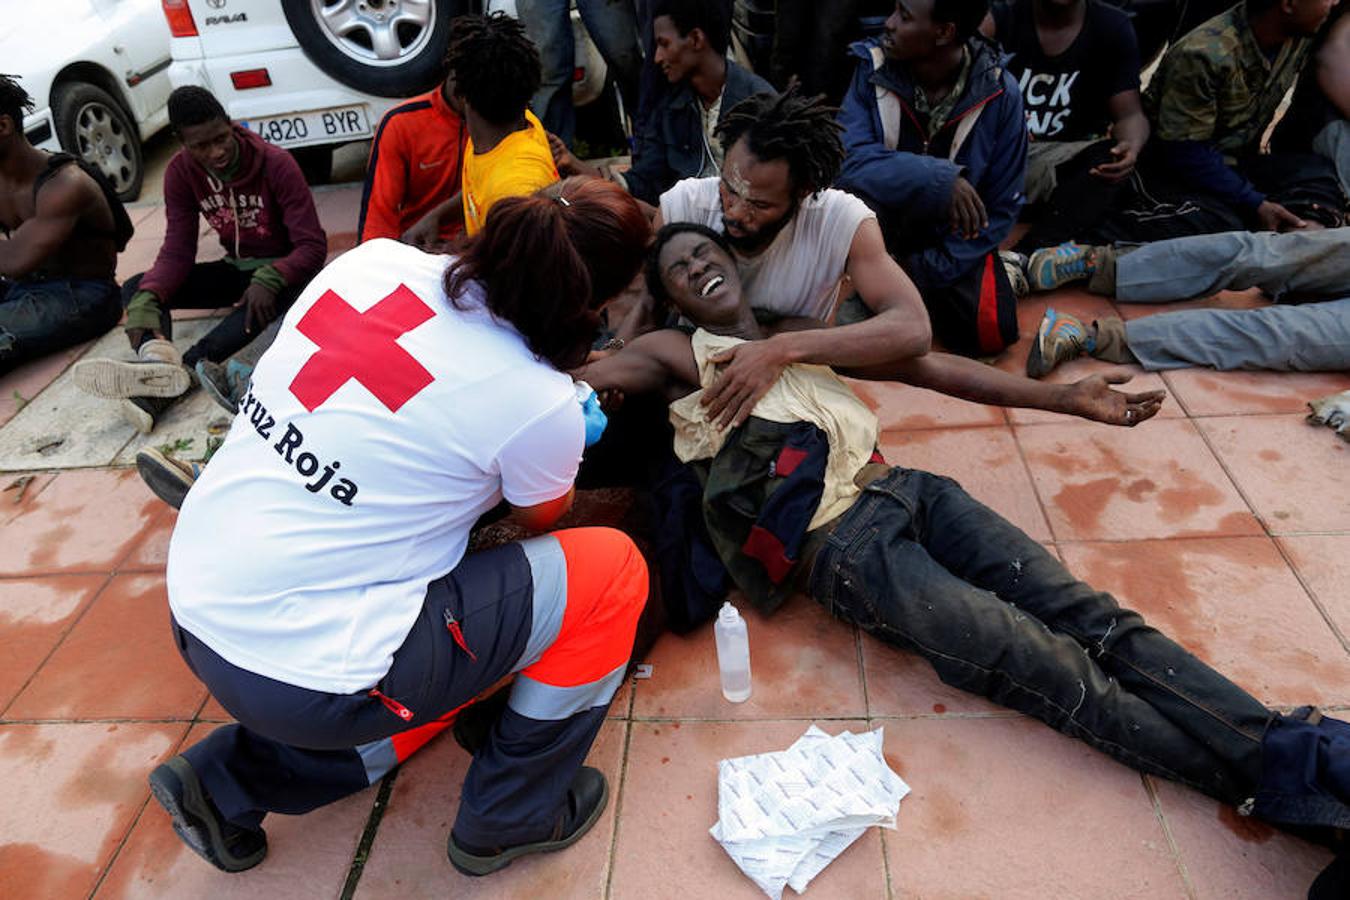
<point>618,806</point>
<point>1312,595</point>
<point>1151,790</point>
<point>1035,488</point>
<point>363,846</point>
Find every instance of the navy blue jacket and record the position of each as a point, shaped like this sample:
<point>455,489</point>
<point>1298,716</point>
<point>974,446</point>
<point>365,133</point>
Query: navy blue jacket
<point>910,187</point>
<point>670,146</point>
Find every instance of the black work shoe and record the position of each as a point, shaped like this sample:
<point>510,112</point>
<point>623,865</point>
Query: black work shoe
<point>199,824</point>
<point>474,723</point>
<point>586,799</point>
<point>143,412</point>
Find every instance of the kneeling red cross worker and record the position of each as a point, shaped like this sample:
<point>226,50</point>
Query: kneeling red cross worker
<point>405,396</point>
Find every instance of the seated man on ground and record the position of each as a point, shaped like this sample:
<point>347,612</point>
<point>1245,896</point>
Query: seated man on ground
<point>254,197</point>
<point>679,139</point>
<point>936,143</point>
<point>1077,64</point>
<point>414,165</point>
<point>1319,115</point>
<point>911,558</point>
<point>1211,100</point>
<point>794,240</point>
<point>494,69</point>
<point>63,229</point>
<point>1300,266</point>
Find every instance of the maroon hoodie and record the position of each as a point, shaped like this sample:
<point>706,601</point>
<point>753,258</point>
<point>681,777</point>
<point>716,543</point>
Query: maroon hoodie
<point>269,201</point>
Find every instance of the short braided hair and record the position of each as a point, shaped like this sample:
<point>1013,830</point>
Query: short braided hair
<point>496,68</point>
<point>14,100</point>
<point>801,130</point>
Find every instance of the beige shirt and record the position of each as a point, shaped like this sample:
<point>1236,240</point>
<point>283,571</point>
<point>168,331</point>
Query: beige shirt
<point>802,393</point>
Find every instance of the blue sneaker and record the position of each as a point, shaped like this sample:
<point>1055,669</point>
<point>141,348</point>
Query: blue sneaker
<point>1060,337</point>
<point>1055,267</point>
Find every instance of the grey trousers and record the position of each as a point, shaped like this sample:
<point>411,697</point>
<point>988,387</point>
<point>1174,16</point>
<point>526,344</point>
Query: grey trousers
<point>1311,337</point>
<point>1308,263</point>
<point>1333,142</point>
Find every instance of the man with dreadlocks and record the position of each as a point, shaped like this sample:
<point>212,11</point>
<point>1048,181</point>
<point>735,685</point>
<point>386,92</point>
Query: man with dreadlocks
<point>62,237</point>
<point>794,239</point>
<point>937,145</point>
<point>495,70</point>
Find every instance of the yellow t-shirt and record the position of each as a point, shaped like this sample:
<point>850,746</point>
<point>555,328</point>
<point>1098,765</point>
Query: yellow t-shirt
<point>521,164</point>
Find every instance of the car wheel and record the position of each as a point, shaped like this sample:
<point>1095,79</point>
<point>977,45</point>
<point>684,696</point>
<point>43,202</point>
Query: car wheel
<point>389,48</point>
<point>93,125</point>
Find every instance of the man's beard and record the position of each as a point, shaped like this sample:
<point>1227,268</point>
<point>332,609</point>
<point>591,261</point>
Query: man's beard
<point>753,243</point>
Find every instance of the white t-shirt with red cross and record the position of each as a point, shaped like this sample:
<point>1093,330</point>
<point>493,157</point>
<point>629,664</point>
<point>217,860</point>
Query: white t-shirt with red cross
<point>378,427</point>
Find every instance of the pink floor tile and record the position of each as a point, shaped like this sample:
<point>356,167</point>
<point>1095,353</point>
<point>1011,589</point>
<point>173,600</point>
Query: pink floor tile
<point>1157,480</point>
<point>1228,857</point>
<point>1248,299</point>
<point>1234,603</point>
<point>902,407</point>
<point>1295,475</point>
<point>802,662</point>
<point>408,857</point>
<point>900,683</point>
<point>35,613</point>
<point>986,461</point>
<point>339,209</point>
<point>21,384</point>
<point>138,256</point>
<point>19,493</point>
<point>308,856</point>
<point>1205,392</point>
<point>1087,307</point>
<point>60,830</point>
<point>84,521</point>
<point>1008,808</point>
<point>663,849</point>
<point>150,223</point>
<point>1324,563</point>
<point>124,634</point>
<point>152,551</point>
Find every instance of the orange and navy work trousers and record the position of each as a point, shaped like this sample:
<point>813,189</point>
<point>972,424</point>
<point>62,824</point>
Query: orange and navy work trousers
<point>559,611</point>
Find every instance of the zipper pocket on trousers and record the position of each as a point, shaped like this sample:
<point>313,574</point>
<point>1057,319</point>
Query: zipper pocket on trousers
<point>457,634</point>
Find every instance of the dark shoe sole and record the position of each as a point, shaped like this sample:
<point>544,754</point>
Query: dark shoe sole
<point>475,866</point>
<point>165,479</point>
<point>1036,363</point>
<point>177,789</point>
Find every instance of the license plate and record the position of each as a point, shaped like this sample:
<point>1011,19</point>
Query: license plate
<point>322,126</point>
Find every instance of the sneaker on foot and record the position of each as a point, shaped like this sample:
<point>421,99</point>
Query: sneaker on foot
<point>1054,267</point>
<point>170,479</point>
<point>586,799</point>
<point>1060,337</point>
<point>157,371</point>
<point>1333,412</point>
<point>199,824</point>
<point>215,380</point>
<point>1015,267</point>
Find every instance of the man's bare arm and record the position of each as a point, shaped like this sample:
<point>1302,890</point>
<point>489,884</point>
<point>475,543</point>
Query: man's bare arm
<point>1092,398</point>
<point>658,361</point>
<point>1333,67</point>
<point>898,330</point>
<point>59,206</point>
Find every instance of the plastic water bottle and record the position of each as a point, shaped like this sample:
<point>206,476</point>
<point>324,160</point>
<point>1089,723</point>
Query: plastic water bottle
<point>733,654</point>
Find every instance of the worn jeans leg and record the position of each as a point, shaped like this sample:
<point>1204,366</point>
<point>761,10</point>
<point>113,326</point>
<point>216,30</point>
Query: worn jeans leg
<point>921,564</point>
<point>613,25</point>
<point>1305,263</point>
<point>549,25</point>
<point>41,317</point>
<point>1333,142</point>
<point>1309,337</point>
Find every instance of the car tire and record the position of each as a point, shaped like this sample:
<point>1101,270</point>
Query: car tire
<point>374,46</point>
<point>92,125</point>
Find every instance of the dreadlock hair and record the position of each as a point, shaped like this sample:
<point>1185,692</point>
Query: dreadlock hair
<point>709,16</point>
<point>966,15</point>
<point>14,100</point>
<point>546,264</point>
<point>192,105</point>
<point>496,68</point>
<point>792,127</point>
<point>652,272</point>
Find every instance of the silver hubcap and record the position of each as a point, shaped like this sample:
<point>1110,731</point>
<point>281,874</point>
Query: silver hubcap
<point>376,32</point>
<point>105,143</point>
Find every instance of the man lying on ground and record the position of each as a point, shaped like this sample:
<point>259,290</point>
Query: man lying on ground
<point>791,499</point>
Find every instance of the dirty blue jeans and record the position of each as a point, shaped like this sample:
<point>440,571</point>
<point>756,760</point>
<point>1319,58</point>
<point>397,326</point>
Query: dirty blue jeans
<point>920,564</point>
<point>613,27</point>
<point>41,316</point>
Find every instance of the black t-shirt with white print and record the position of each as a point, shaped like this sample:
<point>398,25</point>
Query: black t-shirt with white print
<point>1066,95</point>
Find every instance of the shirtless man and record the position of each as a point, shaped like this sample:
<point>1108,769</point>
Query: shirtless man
<point>60,252</point>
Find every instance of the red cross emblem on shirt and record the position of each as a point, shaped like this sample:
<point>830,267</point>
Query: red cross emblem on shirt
<point>363,346</point>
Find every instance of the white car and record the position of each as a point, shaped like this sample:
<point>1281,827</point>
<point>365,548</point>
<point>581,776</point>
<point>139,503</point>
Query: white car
<point>309,75</point>
<point>97,73</point>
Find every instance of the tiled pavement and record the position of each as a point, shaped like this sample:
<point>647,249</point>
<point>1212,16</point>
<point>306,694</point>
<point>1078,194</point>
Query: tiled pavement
<point>1225,521</point>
